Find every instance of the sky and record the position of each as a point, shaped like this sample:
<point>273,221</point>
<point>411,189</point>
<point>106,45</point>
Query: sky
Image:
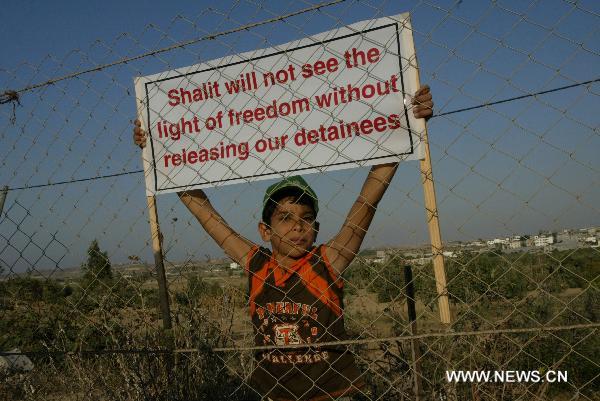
<point>512,168</point>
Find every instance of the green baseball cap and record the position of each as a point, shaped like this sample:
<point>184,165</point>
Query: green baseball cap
<point>292,182</point>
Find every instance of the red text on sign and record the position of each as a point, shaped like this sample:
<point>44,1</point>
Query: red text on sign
<point>320,67</point>
<point>354,57</point>
<point>274,110</point>
<point>281,77</point>
<point>175,130</point>
<point>207,90</point>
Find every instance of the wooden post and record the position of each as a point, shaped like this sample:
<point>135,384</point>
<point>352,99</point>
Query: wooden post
<point>157,250</point>
<point>434,232</point>
<point>163,292</point>
<point>428,188</point>
<point>434,227</point>
<point>414,343</point>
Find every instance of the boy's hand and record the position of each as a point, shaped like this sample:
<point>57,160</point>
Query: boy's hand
<point>422,103</point>
<point>139,135</point>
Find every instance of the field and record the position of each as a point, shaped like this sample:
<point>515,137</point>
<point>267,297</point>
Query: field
<point>103,338</point>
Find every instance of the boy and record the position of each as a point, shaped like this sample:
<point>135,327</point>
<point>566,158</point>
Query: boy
<point>296,289</point>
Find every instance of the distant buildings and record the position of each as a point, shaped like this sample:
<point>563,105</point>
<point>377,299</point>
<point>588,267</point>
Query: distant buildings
<point>517,242</point>
<point>379,257</point>
<point>565,239</point>
<point>543,241</point>
<point>497,242</point>
<point>514,242</point>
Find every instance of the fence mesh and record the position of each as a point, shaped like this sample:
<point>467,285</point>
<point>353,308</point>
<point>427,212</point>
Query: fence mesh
<point>514,143</point>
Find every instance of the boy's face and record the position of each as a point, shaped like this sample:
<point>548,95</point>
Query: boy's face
<point>292,231</point>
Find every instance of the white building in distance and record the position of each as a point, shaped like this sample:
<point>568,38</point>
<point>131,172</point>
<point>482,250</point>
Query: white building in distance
<point>516,242</point>
<point>498,241</point>
<point>543,240</point>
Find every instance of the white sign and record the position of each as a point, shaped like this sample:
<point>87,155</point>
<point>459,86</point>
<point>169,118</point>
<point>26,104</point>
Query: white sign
<point>336,100</point>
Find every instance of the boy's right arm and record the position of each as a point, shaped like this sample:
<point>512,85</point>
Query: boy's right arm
<point>235,246</point>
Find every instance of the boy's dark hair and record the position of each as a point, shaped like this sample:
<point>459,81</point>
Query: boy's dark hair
<point>298,195</point>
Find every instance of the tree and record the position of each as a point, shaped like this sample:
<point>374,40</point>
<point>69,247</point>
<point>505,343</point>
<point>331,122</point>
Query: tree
<point>97,268</point>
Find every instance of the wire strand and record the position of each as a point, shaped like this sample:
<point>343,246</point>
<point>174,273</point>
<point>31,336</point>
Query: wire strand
<point>320,344</point>
<point>50,184</point>
<point>516,98</point>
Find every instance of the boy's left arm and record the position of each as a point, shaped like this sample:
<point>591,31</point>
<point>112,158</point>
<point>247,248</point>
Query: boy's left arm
<point>342,248</point>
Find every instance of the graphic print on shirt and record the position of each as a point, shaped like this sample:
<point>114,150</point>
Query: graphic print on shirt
<point>287,323</point>
<point>286,334</point>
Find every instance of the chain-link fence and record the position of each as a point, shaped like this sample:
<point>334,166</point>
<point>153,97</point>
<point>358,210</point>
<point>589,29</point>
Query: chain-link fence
<point>90,310</point>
